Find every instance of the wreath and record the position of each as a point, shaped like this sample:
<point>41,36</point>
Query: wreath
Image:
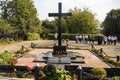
<point>49,70</point>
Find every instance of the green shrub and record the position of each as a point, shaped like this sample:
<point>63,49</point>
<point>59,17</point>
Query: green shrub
<point>6,40</point>
<point>118,64</point>
<point>60,75</point>
<point>23,51</point>
<point>6,56</point>
<point>64,36</point>
<point>116,78</point>
<point>106,58</point>
<point>55,74</point>
<point>33,36</point>
<point>100,72</point>
<point>51,36</point>
<point>68,36</point>
<point>20,74</point>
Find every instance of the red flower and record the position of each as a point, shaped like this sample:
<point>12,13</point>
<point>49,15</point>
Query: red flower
<point>30,67</point>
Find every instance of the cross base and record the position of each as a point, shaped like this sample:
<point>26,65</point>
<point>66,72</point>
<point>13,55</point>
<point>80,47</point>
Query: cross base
<point>59,50</point>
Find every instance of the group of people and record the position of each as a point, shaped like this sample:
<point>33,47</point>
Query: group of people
<point>111,39</point>
<point>101,39</point>
<point>85,38</point>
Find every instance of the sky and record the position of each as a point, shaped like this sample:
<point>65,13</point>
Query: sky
<point>98,7</point>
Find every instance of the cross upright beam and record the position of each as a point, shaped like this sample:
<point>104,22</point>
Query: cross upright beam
<point>59,15</point>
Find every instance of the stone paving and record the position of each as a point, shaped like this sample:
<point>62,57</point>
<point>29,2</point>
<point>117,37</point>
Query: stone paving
<point>90,59</point>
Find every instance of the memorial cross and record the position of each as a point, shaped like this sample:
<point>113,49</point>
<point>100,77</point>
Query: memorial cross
<point>59,15</point>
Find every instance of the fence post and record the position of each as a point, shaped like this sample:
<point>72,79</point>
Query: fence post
<point>101,50</point>
<point>36,75</point>
<point>118,58</point>
<point>92,46</point>
<point>79,71</point>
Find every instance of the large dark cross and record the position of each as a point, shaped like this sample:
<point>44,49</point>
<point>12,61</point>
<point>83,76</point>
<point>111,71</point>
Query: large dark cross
<point>59,15</point>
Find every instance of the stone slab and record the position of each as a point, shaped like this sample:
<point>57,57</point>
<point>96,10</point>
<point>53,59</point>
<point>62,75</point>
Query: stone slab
<point>90,61</point>
<point>62,60</point>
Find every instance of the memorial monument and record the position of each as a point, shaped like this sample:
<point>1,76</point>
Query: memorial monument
<point>59,53</point>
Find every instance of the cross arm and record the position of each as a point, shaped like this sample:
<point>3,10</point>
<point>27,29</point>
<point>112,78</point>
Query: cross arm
<point>66,14</point>
<point>58,14</point>
<point>53,14</point>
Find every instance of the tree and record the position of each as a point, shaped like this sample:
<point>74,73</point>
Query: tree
<point>4,8</point>
<point>64,25</point>
<point>22,15</point>
<point>82,22</point>
<point>111,24</point>
<point>51,26</point>
<point>5,28</point>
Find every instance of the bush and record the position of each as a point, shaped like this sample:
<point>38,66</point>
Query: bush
<point>118,64</point>
<point>64,36</point>
<point>6,40</point>
<point>100,72</point>
<point>33,36</point>
<point>55,74</point>
<point>6,56</point>
<point>20,74</point>
<point>106,58</point>
<point>116,78</point>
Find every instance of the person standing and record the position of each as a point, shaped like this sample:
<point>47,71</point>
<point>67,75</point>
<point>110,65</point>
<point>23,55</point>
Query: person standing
<point>55,38</point>
<point>86,38</point>
<point>109,39</point>
<point>105,39</point>
<point>114,39</point>
<point>92,39</point>
<point>76,38</point>
<point>80,38</point>
<point>100,38</point>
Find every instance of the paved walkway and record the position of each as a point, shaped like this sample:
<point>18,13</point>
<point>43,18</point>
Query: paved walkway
<point>90,59</point>
<point>111,50</point>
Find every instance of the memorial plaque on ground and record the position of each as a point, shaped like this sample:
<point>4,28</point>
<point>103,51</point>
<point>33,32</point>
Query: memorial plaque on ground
<point>65,60</point>
<point>71,57</point>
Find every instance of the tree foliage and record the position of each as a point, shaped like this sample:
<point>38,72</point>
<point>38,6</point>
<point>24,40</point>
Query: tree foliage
<point>5,28</point>
<point>82,22</point>
<point>50,25</point>
<point>111,24</point>
<point>22,15</point>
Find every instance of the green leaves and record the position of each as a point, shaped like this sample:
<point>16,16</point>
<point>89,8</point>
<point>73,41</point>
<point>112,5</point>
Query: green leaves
<point>6,56</point>
<point>60,74</point>
<point>111,24</point>
<point>5,28</point>
<point>100,72</point>
<point>82,22</point>
<point>22,15</point>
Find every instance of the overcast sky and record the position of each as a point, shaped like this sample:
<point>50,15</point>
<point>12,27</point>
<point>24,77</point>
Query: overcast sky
<point>99,7</point>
